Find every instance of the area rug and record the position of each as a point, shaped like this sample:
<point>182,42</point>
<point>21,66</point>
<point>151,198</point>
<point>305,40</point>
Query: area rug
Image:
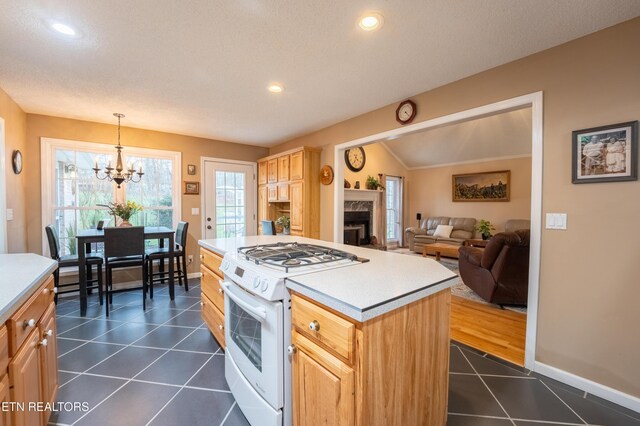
<point>459,289</point>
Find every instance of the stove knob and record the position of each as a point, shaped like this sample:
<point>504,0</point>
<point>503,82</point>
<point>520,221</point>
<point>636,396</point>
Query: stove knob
<point>265,285</point>
<point>256,282</point>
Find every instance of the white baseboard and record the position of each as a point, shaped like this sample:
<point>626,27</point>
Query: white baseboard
<point>628,401</point>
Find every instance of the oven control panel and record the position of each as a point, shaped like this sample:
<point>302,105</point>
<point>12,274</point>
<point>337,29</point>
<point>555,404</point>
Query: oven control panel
<point>268,287</point>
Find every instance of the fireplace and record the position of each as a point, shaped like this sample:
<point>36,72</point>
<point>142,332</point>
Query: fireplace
<point>357,228</point>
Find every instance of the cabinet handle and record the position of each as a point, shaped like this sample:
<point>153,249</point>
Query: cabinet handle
<point>291,349</point>
<point>220,327</point>
<point>43,342</point>
<point>201,303</point>
<point>55,290</point>
<point>202,257</point>
<point>49,333</point>
<point>30,323</point>
<point>220,291</point>
<point>45,291</point>
<point>314,325</point>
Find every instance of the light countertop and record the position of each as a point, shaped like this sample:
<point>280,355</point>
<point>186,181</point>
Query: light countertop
<point>362,291</point>
<point>20,277</point>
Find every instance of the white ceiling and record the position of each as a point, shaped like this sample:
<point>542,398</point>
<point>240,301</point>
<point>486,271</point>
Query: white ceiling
<point>201,67</point>
<point>498,136</point>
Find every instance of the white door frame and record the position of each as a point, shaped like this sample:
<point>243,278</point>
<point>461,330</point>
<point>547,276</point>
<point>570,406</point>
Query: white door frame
<point>533,100</point>
<point>253,195</point>
<point>3,190</point>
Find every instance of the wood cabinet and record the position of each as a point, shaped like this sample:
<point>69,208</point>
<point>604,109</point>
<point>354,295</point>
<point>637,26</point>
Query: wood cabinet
<point>212,299</point>
<point>292,189</point>
<point>392,369</point>
<point>5,397</point>
<point>262,173</point>
<point>33,367</point>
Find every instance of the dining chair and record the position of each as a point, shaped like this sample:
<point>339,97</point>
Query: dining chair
<point>161,254</point>
<point>268,227</point>
<point>71,261</point>
<point>124,248</point>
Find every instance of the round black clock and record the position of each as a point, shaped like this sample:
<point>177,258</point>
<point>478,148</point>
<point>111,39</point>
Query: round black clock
<point>16,160</point>
<point>355,158</point>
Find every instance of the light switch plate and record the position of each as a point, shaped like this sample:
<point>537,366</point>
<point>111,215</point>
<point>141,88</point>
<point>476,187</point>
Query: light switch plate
<point>9,214</point>
<point>195,211</point>
<point>556,221</point>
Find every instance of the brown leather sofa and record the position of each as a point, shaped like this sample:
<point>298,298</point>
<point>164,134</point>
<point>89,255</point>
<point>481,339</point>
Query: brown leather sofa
<point>463,229</point>
<point>499,273</point>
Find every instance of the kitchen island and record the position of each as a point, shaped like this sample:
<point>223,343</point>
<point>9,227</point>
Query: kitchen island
<point>370,341</point>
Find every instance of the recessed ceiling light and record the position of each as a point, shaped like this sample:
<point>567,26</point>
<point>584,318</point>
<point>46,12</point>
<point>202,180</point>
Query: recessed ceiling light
<point>63,29</point>
<point>275,88</point>
<point>371,21</point>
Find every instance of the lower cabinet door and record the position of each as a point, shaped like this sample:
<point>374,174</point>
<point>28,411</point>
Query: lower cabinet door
<point>49,357</point>
<point>25,378</point>
<point>5,397</point>
<point>323,386</point>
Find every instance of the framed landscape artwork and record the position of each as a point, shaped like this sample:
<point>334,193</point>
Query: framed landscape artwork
<point>192,188</point>
<point>605,154</point>
<point>485,186</point>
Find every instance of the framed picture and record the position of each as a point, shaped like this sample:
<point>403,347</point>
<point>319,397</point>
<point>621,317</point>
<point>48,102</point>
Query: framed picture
<point>191,169</point>
<point>485,186</point>
<point>605,154</point>
<point>192,188</point>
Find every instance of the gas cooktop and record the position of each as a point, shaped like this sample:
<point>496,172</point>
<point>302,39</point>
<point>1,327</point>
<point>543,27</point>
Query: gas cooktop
<point>294,255</point>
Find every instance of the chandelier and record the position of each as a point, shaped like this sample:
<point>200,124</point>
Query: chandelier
<point>119,175</point>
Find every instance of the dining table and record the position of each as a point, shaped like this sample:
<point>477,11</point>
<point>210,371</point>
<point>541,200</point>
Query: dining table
<point>88,236</point>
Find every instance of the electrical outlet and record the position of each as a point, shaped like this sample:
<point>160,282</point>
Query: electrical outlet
<point>190,259</point>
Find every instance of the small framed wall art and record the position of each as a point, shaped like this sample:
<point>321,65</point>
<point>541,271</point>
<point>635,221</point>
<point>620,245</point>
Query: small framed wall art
<point>605,154</point>
<point>191,169</point>
<point>191,188</point>
<point>485,186</point>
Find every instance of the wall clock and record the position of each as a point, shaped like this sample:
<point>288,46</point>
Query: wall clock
<point>355,158</point>
<point>326,175</point>
<point>16,159</point>
<point>406,112</point>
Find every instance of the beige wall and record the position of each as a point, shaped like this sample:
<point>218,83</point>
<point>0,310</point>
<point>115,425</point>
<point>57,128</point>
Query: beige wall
<point>378,160</point>
<point>15,121</point>
<point>430,193</point>
<point>589,277</point>
<point>192,149</point>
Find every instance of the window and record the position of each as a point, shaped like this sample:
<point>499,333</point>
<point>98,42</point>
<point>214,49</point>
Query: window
<point>71,192</point>
<point>230,204</point>
<point>394,208</point>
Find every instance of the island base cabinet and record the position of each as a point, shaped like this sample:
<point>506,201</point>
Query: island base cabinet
<point>49,355</point>
<point>26,381</point>
<point>5,397</point>
<point>324,391</point>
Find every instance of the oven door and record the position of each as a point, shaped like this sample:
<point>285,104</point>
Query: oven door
<point>254,333</point>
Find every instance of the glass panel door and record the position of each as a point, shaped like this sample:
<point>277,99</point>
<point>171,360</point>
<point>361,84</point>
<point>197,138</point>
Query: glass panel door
<point>394,208</point>
<point>230,197</point>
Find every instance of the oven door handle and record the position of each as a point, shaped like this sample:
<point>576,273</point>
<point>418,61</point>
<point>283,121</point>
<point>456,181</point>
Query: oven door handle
<point>257,312</point>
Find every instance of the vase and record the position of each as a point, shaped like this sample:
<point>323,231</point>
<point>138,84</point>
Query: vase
<point>486,236</point>
<point>124,224</point>
<point>286,231</point>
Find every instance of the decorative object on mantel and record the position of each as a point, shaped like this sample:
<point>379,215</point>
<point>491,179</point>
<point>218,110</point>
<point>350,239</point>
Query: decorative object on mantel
<point>357,185</point>
<point>191,169</point>
<point>485,186</point>
<point>406,112</point>
<point>485,227</point>
<point>191,188</point>
<point>355,158</point>
<point>326,175</point>
<point>373,183</point>
<point>124,211</point>
<point>16,161</point>
<point>285,222</point>
<point>605,154</point>
<point>418,218</point>
<point>347,185</point>
<point>121,174</point>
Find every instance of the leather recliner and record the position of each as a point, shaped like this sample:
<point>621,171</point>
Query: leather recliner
<point>499,273</point>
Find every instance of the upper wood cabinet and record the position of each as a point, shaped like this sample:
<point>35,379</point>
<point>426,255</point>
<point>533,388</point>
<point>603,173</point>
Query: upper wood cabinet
<point>297,165</point>
<point>272,171</point>
<point>262,173</point>
<point>289,184</point>
<point>283,168</point>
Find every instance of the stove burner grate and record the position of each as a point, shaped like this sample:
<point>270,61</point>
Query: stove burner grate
<point>292,255</point>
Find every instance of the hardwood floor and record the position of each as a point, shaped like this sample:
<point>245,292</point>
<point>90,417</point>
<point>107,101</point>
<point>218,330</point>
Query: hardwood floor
<point>492,330</point>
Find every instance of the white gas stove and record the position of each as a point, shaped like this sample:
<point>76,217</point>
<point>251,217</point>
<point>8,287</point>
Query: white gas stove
<point>258,322</point>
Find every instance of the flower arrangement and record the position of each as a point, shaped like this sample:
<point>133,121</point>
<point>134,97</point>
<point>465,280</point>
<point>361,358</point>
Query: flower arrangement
<point>373,183</point>
<point>285,222</point>
<point>125,210</point>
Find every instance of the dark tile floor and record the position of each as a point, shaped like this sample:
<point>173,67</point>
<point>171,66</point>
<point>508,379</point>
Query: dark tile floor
<point>162,367</point>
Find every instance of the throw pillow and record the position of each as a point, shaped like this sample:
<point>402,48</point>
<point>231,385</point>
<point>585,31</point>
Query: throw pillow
<point>443,231</point>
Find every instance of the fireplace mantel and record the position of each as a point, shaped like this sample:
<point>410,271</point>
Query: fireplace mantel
<point>378,227</point>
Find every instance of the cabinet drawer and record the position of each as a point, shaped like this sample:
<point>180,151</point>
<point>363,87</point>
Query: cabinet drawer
<point>211,288</point>
<point>4,350</point>
<point>25,320</point>
<point>211,261</point>
<point>331,331</point>
<point>214,320</point>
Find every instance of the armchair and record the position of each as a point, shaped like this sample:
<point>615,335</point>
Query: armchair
<point>499,273</point>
